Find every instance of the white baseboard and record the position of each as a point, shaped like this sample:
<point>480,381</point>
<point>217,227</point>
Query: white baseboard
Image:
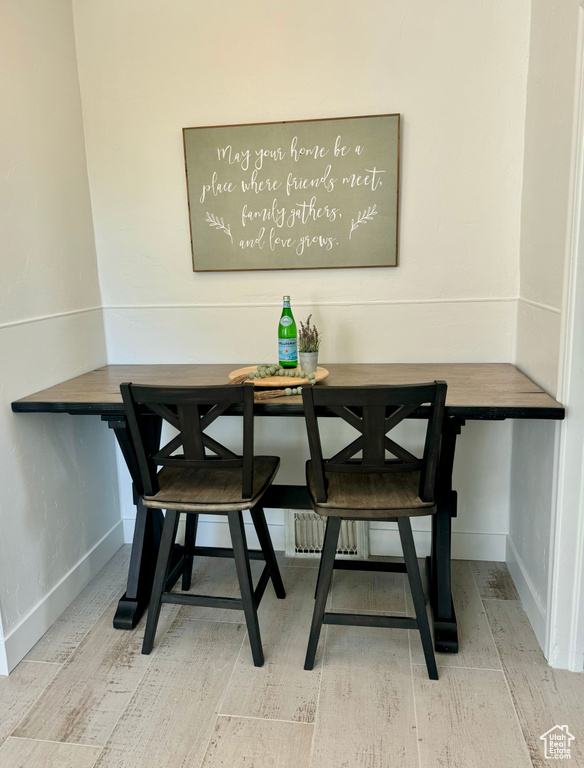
<point>465,546</point>
<point>21,638</point>
<point>535,610</point>
<point>215,533</point>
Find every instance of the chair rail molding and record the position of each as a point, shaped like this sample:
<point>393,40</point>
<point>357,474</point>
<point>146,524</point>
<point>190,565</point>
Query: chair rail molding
<point>53,316</point>
<point>312,304</point>
<point>539,305</point>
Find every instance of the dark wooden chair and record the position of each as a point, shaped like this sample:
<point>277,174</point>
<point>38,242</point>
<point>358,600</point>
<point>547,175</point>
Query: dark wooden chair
<point>205,478</point>
<point>373,487</point>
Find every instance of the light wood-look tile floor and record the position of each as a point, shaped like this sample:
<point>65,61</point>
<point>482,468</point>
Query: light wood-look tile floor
<point>85,697</point>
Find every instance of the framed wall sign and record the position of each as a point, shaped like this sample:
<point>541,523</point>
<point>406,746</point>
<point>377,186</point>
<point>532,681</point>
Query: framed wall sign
<point>296,195</point>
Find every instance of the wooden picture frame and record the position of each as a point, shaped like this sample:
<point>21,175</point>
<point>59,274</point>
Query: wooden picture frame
<point>313,194</point>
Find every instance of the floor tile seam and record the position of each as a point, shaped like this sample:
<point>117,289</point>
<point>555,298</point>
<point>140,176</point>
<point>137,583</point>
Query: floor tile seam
<point>512,700</point>
<point>70,653</point>
<point>414,699</point>
<point>217,712</point>
<point>456,666</point>
<point>324,636</point>
<point>38,661</point>
<point>317,707</point>
<point>115,592</point>
<point>151,656</point>
<point>61,666</point>
<point>59,663</point>
<point>195,620</point>
<point>69,658</point>
<point>220,703</point>
<point>482,604</point>
<point>23,718</point>
<point>147,666</point>
<point>366,611</point>
<point>53,741</point>
<point>474,577</point>
<point>69,618</point>
<point>406,588</point>
<point>122,713</point>
<point>265,719</point>
<point>542,661</point>
<point>500,600</point>
<point>187,761</point>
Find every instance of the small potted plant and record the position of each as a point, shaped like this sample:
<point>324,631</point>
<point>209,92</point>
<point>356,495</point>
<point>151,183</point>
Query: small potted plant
<point>308,346</point>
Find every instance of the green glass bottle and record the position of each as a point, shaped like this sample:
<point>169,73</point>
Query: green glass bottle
<point>287,341</point>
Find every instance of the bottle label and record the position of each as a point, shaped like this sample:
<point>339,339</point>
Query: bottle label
<point>286,320</point>
<point>287,350</point>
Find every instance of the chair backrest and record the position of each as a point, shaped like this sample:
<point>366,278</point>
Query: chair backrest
<point>191,410</point>
<point>374,411</point>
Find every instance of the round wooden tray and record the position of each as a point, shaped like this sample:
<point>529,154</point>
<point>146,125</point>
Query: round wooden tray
<point>278,381</point>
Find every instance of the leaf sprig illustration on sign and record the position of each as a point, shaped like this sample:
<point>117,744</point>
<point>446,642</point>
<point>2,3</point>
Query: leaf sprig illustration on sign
<point>218,223</point>
<point>296,195</point>
<point>362,217</point>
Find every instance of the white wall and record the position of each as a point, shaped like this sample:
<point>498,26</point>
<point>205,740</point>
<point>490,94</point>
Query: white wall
<point>545,215</point>
<point>59,510</point>
<point>456,71</point>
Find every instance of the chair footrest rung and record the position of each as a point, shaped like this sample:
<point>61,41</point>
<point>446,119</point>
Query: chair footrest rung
<point>366,620</point>
<point>181,598</point>
<point>254,554</point>
<point>369,565</point>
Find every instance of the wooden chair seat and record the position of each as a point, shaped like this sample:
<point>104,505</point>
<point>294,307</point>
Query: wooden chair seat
<point>203,490</point>
<point>369,496</point>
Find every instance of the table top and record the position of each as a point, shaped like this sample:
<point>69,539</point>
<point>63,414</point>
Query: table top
<point>475,390</point>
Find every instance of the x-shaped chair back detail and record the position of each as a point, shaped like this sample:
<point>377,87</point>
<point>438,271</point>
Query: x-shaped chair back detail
<point>374,412</point>
<point>191,410</point>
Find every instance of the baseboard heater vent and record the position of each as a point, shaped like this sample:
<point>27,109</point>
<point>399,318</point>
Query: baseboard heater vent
<point>305,535</point>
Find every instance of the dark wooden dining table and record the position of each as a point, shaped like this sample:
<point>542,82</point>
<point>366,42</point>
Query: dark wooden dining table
<point>476,391</point>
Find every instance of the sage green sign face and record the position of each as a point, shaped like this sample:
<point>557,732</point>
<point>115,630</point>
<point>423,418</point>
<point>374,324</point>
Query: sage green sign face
<point>302,195</point>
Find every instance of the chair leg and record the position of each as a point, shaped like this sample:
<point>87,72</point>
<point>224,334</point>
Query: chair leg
<point>190,537</point>
<point>160,576</point>
<point>240,554</point>
<point>259,521</point>
<point>329,550</point>
<point>318,577</point>
<point>411,561</point>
